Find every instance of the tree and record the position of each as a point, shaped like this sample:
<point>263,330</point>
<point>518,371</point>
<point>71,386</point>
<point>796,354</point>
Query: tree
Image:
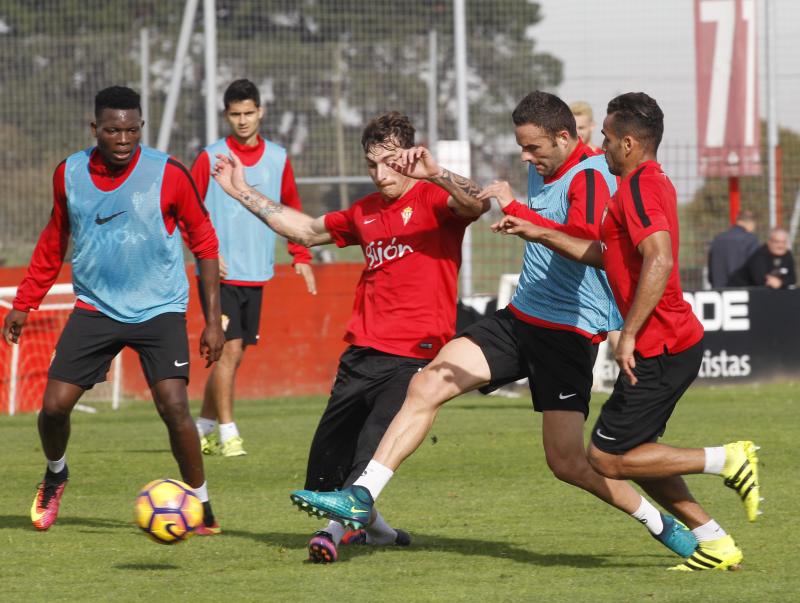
<point>324,68</point>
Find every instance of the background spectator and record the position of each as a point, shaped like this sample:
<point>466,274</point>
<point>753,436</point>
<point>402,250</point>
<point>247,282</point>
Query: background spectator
<point>771,265</point>
<point>729,250</point>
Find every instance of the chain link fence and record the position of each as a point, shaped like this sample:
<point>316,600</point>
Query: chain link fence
<point>324,68</point>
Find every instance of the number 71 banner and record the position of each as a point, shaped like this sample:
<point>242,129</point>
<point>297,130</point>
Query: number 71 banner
<point>727,88</point>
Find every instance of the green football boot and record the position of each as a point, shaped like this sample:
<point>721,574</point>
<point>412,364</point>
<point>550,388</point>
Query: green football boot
<point>351,506</point>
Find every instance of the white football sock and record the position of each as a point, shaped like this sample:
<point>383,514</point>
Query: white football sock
<point>379,532</point>
<point>202,492</point>
<point>57,466</point>
<point>227,431</point>
<point>205,426</point>
<point>649,516</point>
<point>715,460</point>
<point>709,531</point>
<point>374,478</point>
<point>336,530</point>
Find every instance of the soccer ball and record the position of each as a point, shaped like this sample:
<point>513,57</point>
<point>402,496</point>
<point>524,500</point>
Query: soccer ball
<point>168,511</point>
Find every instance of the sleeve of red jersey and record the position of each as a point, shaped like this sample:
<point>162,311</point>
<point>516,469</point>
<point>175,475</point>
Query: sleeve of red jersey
<point>180,198</point>
<point>437,197</point>
<point>291,198</point>
<point>48,256</point>
<point>588,195</point>
<point>644,208</point>
<point>201,173</point>
<point>340,226</point>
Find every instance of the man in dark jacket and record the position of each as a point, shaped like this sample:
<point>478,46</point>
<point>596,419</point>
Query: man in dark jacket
<point>729,250</point>
<point>771,265</point>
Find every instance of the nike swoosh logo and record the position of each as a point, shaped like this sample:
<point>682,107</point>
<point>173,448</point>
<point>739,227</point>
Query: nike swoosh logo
<point>181,363</point>
<point>355,510</point>
<point>99,220</point>
<point>605,437</point>
<point>538,208</point>
<point>370,221</point>
<point>563,397</point>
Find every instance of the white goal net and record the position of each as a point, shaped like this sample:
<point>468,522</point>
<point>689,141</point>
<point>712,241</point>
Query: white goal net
<point>24,366</point>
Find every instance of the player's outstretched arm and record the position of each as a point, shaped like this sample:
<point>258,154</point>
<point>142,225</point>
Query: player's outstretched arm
<point>418,163</point>
<point>580,250</point>
<point>13,324</point>
<point>287,222</point>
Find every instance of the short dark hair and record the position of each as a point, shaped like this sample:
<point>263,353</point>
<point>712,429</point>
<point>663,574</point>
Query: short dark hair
<point>392,127</point>
<point>116,97</point>
<point>546,111</point>
<point>241,90</point>
<point>638,114</point>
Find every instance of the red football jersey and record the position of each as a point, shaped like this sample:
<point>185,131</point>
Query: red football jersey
<point>644,203</point>
<point>406,298</point>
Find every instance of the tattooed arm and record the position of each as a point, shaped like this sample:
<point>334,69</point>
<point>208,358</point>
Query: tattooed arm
<point>287,222</point>
<point>417,162</point>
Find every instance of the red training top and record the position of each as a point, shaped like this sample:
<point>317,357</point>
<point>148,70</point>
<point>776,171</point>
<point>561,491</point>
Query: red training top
<point>201,172</point>
<point>180,206</point>
<point>405,301</point>
<point>646,203</point>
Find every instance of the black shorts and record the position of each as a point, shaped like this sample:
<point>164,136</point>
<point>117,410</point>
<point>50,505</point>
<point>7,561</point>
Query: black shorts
<point>90,340</point>
<point>558,364</point>
<point>241,311</point>
<point>369,391</point>
<point>635,414</point>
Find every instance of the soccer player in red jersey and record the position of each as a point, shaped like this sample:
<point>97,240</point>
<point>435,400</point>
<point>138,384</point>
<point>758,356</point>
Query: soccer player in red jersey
<point>660,347</point>
<point>125,207</point>
<point>247,254</point>
<point>405,307</point>
<point>548,333</point>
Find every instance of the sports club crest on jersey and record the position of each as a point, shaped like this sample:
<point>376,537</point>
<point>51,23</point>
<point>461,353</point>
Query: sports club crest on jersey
<point>406,214</point>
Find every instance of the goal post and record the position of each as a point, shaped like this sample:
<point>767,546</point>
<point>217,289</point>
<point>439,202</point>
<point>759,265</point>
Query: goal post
<point>24,366</point>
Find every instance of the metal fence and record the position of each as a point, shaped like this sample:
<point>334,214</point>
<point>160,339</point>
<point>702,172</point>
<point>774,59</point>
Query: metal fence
<point>324,68</point>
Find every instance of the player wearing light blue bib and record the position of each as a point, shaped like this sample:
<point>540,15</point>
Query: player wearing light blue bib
<point>247,252</point>
<point>126,264</point>
<point>125,207</point>
<point>552,290</point>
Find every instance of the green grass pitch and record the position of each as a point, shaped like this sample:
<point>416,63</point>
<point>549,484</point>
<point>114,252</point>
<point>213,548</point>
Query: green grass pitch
<point>489,521</point>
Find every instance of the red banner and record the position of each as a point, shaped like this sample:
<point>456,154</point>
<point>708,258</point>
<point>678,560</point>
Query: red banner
<point>727,88</point>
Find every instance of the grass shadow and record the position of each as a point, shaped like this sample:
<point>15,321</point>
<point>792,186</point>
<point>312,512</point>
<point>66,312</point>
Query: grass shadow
<point>463,546</point>
<point>23,522</point>
<point>512,552</point>
<point>145,567</point>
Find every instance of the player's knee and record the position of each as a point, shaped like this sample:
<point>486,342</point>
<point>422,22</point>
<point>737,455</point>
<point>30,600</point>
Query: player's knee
<point>232,353</point>
<point>566,469</point>
<point>607,465</point>
<point>54,412</point>
<point>422,390</point>
<point>55,408</point>
<point>430,388</point>
<point>174,413</point>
